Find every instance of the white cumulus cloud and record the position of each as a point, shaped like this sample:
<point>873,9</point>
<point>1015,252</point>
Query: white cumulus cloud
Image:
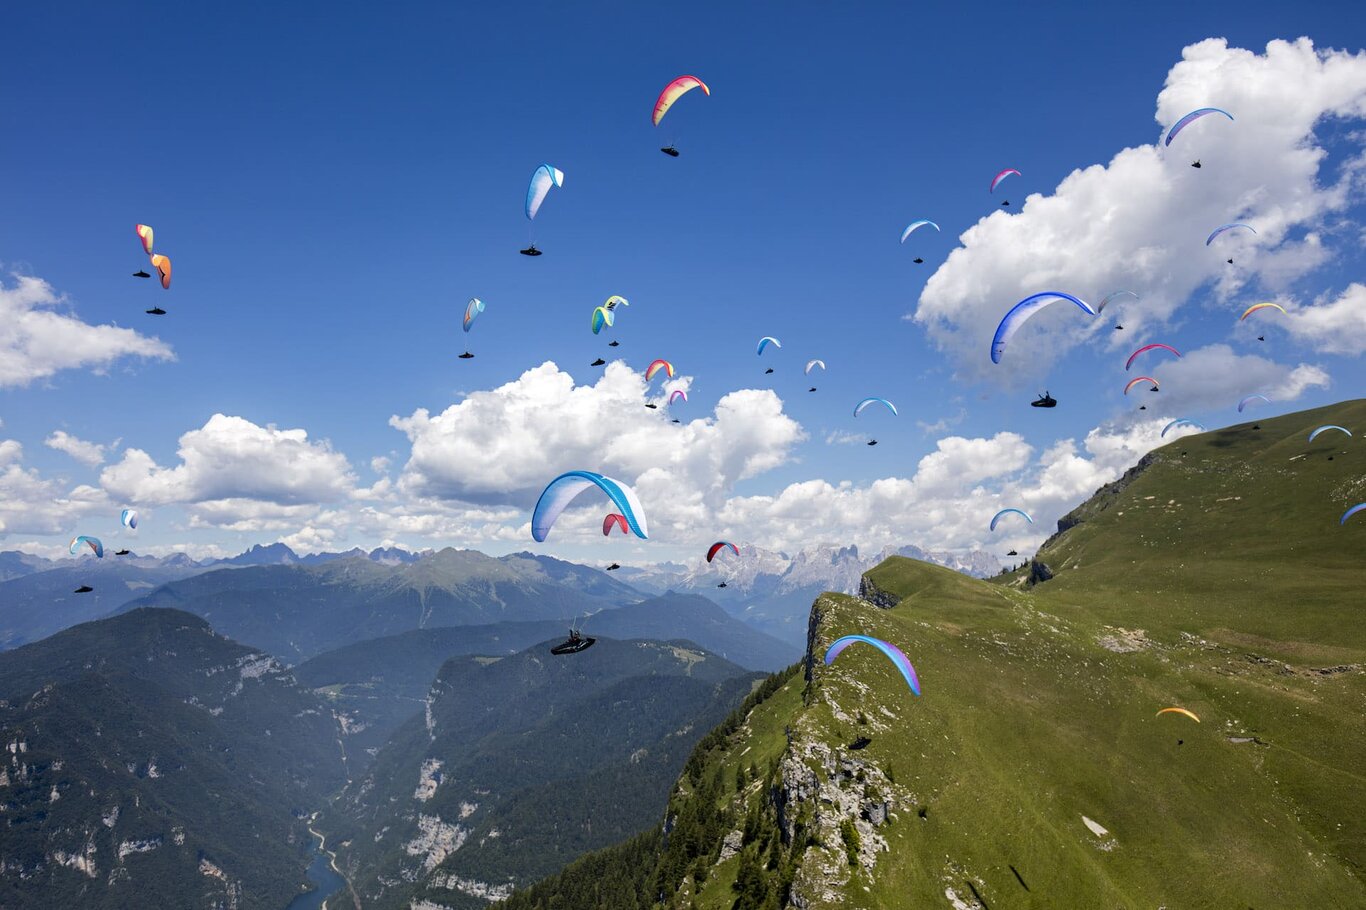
<point>87,453</point>
<point>1139,222</point>
<point>36,340</point>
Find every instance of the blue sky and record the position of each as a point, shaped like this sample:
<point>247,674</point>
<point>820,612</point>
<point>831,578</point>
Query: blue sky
<point>333,182</point>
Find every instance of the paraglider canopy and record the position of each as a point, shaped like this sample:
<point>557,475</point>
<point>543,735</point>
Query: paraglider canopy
<point>1249,399</point>
<point>145,234</point>
<point>995,519</point>
<point>812,364</point>
<point>1260,306</point>
<point>917,224</point>
<point>677,394</point>
<point>560,491</point>
<point>859,408</point>
<point>893,653</point>
<point>657,366</point>
<point>1149,347</point>
<point>719,546</point>
<point>1109,297</point>
<point>1137,379</point>
<point>1190,118</point>
<point>1226,227</point>
<point>1189,714</point>
<point>472,311</point>
<point>765,342</point>
<point>163,266</point>
<point>1325,428</point>
<point>542,179</point>
<point>614,520</point>
<point>1181,421</point>
<point>1021,311</point>
<point>601,317</point>
<point>672,92</point>
<point>129,518</point>
<point>81,542</point>
<point>1359,507</point>
<point>995,181</point>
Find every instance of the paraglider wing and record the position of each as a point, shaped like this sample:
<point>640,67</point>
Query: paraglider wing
<point>1021,311</point>
<point>1249,399</point>
<point>895,654</point>
<point>812,364</point>
<point>1189,714</point>
<point>1359,507</point>
<point>129,518</point>
<point>1109,297</point>
<point>673,91</point>
<point>1226,227</point>
<point>999,515</point>
<point>144,232</point>
<point>721,545</point>
<point>1136,380</point>
<point>614,301</point>
<point>658,365</point>
<point>564,488</point>
<point>917,224</point>
<point>92,542</point>
<point>601,317</point>
<point>542,179</point>
<point>1149,347</point>
<point>1325,428</point>
<point>766,341</point>
<point>163,266</point>
<point>1181,421</point>
<point>1190,118</point>
<point>858,408</point>
<point>676,394</point>
<point>1003,175</point>
<point>472,309</point>
<point>1260,306</point>
<point>614,519</point>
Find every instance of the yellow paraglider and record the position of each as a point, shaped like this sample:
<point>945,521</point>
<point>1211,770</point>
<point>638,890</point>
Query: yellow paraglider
<point>1178,711</point>
<point>1260,306</point>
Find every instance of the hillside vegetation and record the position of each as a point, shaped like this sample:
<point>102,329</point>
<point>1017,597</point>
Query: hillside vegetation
<point>1033,771</point>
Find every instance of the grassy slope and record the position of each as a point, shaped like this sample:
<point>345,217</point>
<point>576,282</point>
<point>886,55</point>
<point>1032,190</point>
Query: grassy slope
<point>1027,722</point>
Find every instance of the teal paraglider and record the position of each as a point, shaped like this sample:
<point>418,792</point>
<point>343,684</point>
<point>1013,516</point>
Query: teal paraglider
<point>560,491</point>
<point>895,654</point>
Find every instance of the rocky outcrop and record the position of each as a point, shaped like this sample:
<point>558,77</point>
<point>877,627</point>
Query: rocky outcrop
<point>870,592</point>
<point>1038,572</point>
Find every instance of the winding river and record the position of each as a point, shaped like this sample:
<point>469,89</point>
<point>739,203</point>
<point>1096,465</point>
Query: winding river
<point>324,875</point>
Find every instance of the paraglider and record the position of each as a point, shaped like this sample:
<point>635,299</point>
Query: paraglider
<point>765,342</point>
<point>1195,163</point>
<point>672,92</point>
<point>1149,347</point>
<point>158,311</point>
<point>769,370</point>
<point>1012,553</point>
<point>121,552</point>
<point>613,344</point>
<point>613,567</point>
<point>145,234</point>
<point>722,585</point>
<point>1190,118</point>
<point>656,367</point>
<point>596,363</point>
<point>862,405</point>
<point>466,356</point>
<point>811,365</point>
<point>1109,297</point>
<point>677,395</point>
<point>129,518</point>
<point>1249,399</point>
<point>140,273</point>
<point>1260,306</point>
<point>614,520</point>
<point>560,491</point>
<point>83,589</point>
<point>1359,507</point>
<point>995,519</point>
<point>1326,427</point>
<point>1179,422</point>
<point>1227,227</point>
<point>542,179</point>
<point>719,546</point>
<point>1189,714</point>
<point>615,301</point>
<point>914,225</point>
<point>1044,401</point>
<point>872,442</point>
<point>893,653</point>
<point>918,261</point>
<point>1022,311</point>
<point>995,181</point>
<point>79,543</point>
<point>163,266</point>
<point>1137,379</point>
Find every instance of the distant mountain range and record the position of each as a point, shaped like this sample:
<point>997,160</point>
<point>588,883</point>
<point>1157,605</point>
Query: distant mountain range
<point>773,591</point>
<point>149,762</point>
